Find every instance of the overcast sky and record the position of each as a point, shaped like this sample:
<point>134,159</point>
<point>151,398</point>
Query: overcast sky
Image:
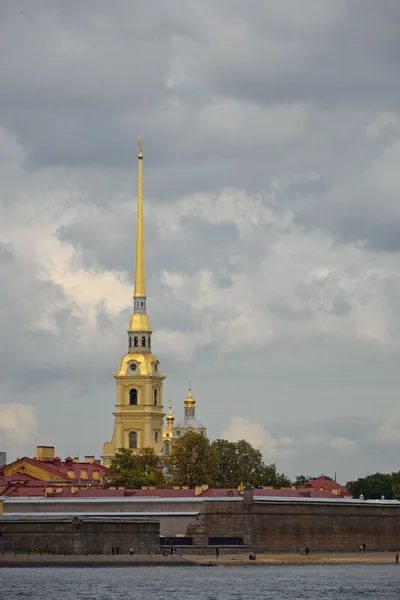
<point>272,153</point>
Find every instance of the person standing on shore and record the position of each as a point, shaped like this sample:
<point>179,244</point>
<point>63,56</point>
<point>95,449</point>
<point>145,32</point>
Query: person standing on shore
<point>117,550</point>
<point>216,553</point>
<point>112,550</point>
<point>397,557</point>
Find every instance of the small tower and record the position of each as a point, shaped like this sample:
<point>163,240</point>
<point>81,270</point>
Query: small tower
<point>169,431</point>
<point>139,409</point>
<point>189,422</point>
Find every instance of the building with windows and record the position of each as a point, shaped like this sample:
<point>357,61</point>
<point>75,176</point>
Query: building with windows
<point>46,469</point>
<point>139,415</point>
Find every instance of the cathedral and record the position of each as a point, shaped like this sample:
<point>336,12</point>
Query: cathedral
<point>139,413</point>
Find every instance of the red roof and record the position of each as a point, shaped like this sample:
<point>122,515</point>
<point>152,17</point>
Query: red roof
<point>31,488</point>
<point>60,467</point>
<point>326,484</point>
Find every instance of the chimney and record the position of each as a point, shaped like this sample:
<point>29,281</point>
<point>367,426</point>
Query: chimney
<point>89,460</point>
<point>76,459</point>
<point>45,453</point>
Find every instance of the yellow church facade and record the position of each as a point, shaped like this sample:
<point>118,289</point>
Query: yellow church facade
<point>139,415</point>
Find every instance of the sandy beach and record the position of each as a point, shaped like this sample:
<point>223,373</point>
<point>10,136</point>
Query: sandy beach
<point>35,560</point>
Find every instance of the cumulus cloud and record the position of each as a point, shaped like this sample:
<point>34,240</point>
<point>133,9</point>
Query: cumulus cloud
<point>272,448</point>
<point>284,447</point>
<point>19,424</point>
<point>388,431</point>
<point>337,444</point>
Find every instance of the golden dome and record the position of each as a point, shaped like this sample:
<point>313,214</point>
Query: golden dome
<point>189,401</point>
<point>147,364</point>
<point>168,433</point>
<point>170,416</point>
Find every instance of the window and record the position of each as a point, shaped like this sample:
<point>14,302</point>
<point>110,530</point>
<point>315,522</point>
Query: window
<point>148,341</point>
<point>141,304</point>
<point>166,448</point>
<point>155,397</point>
<point>135,341</point>
<point>178,433</point>
<point>143,341</point>
<point>130,341</point>
<point>133,439</point>
<point>133,397</point>
<point>156,436</point>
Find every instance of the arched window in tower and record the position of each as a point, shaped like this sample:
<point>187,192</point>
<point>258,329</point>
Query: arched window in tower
<point>148,341</point>
<point>143,341</point>
<point>133,439</point>
<point>135,341</point>
<point>155,397</point>
<point>156,436</point>
<point>166,448</point>
<point>130,341</point>
<point>133,397</point>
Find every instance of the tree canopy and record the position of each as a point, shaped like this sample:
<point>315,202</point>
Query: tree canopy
<point>194,460</point>
<point>373,487</point>
<point>135,470</point>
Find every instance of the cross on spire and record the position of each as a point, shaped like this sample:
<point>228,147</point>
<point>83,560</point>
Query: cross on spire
<point>140,138</point>
<point>190,385</point>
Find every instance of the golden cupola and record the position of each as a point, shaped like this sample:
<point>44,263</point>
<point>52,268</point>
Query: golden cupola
<point>189,401</point>
<point>168,432</point>
<point>189,422</point>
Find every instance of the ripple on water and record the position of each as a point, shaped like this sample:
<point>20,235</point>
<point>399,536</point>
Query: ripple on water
<point>344,582</point>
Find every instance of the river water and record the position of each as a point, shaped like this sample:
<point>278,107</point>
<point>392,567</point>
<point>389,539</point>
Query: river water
<point>333,582</point>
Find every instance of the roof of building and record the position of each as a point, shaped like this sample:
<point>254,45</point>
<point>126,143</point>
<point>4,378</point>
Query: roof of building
<point>29,489</point>
<point>323,483</point>
<point>189,424</point>
<point>59,467</point>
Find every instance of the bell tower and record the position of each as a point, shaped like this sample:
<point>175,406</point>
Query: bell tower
<point>138,416</point>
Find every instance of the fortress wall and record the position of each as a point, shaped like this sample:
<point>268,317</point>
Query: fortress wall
<point>81,536</point>
<point>284,526</point>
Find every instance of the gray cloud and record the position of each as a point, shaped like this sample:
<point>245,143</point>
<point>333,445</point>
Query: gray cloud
<point>271,179</point>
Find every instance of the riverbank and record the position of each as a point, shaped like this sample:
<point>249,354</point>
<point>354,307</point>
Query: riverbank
<point>35,560</point>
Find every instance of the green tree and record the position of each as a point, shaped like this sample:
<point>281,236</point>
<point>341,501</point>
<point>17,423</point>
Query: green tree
<point>239,462</point>
<point>250,462</point>
<point>396,491</point>
<point>372,487</point>
<point>227,474</point>
<point>135,470</point>
<point>193,461</point>
<point>269,476</point>
<point>300,480</point>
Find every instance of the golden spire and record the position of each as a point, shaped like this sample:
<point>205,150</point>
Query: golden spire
<point>168,432</point>
<point>170,417</point>
<point>189,401</point>
<point>140,268</point>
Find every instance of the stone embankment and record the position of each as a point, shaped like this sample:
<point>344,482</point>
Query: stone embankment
<point>35,560</point>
